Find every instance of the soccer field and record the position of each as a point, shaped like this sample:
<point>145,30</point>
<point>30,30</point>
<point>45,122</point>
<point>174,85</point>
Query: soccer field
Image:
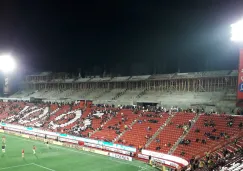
<point>59,158</point>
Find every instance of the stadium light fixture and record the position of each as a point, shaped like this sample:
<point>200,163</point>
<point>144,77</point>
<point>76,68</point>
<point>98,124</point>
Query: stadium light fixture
<point>7,63</point>
<point>237,31</point>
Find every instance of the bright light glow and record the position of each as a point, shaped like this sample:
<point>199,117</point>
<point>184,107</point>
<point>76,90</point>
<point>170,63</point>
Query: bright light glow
<point>7,63</point>
<point>237,31</point>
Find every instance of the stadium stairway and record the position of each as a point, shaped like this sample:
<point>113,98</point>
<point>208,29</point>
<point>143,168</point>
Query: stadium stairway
<point>95,122</point>
<point>197,148</point>
<point>88,92</point>
<point>231,147</point>
<point>110,133</point>
<point>136,135</point>
<point>194,120</point>
<point>56,93</point>
<point>124,131</point>
<point>47,120</point>
<point>141,94</point>
<point>68,93</point>
<point>102,93</point>
<point>16,94</point>
<point>86,112</point>
<point>43,93</point>
<point>53,107</point>
<point>159,130</point>
<point>239,144</point>
<point>233,163</point>
<point>170,133</point>
<point>119,94</point>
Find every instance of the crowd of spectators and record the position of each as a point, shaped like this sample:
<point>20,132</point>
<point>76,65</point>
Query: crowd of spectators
<point>214,162</point>
<point>103,113</point>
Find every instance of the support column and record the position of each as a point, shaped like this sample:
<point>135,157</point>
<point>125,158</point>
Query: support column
<point>6,86</point>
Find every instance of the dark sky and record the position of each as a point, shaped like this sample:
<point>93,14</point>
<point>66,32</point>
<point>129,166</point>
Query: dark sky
<point>122,37</point>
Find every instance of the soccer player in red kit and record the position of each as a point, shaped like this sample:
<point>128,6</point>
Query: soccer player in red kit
<point>4,140</point>
<point>22,153</point>
<point>34,148</point>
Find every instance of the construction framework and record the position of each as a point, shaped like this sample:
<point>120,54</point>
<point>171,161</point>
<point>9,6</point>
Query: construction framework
<point>163,83</point>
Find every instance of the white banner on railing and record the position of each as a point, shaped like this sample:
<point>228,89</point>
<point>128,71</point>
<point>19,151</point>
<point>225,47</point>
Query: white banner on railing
<point>117,150</point>
<point>119,156</point>
<point>95,151</point>
<point>165,157</point>
<point>108,148</point>
<point>161,161</point>
<point>93,145</point>
<point>68,140</point>
<point>166,162</point>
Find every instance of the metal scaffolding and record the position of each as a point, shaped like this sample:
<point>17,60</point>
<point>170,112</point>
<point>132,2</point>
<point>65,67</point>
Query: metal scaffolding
<point>204,84</point>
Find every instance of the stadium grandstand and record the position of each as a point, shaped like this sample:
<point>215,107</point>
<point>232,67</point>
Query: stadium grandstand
<point>211,90</point>
<point>177,121</point>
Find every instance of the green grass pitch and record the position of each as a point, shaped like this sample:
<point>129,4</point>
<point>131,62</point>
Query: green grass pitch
<point>59,158</point>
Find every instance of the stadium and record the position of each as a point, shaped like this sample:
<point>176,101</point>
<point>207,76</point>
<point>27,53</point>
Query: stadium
<point>128,118</point>
<point>178,121</point>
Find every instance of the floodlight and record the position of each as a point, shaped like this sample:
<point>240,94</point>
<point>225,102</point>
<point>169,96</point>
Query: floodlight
<point>237,31</point>
<point>7,63</point>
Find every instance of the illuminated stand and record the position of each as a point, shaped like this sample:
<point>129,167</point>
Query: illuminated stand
<point>7,66</point>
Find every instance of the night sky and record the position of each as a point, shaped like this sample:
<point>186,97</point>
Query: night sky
<point>120,37</point>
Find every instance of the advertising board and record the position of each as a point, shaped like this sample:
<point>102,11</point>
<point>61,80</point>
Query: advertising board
<point>119,156</point>
<point>161,161</point>
<point>165,157</point>
<point>66,136</point>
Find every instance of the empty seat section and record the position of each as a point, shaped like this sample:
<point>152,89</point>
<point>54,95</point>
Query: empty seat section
<point>137,135</point>
<point>170,133</point>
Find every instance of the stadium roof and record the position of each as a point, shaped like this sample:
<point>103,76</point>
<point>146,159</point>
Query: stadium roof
<point>41,74</point>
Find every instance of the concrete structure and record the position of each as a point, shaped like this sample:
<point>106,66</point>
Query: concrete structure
<point>211,89</point>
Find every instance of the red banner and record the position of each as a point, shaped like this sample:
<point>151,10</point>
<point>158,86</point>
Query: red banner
<point>240,78</point>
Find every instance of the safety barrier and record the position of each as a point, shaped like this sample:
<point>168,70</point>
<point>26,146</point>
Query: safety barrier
<point>167,157</point>
<point>64,137</point>
<point>119,156</point>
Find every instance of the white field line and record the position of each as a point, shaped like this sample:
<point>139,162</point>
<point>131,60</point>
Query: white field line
<point>42,167</point>
<point>5,168</point>
<point>142,168</point>
<point>81,152</point>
